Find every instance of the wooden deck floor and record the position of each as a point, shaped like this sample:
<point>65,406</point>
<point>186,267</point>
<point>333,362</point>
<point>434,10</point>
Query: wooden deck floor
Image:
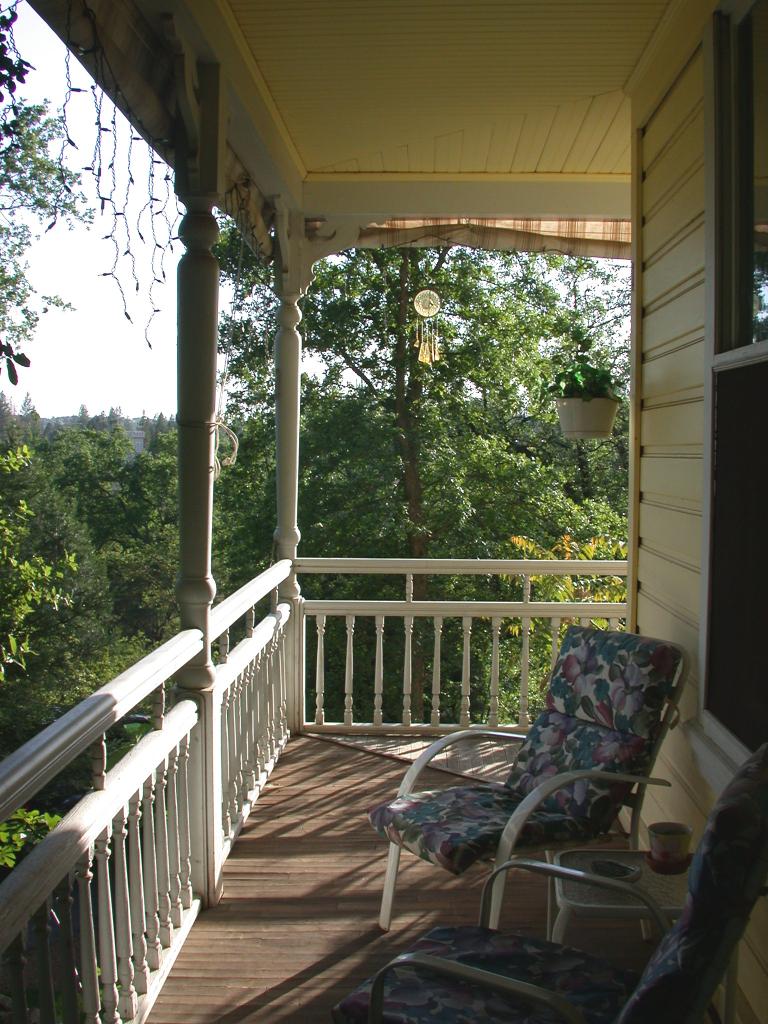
<point>296,928</point>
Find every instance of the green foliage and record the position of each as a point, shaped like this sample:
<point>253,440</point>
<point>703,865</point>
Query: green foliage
<point>582,379</point>
<point>23,831</point>
<point>26,583</point>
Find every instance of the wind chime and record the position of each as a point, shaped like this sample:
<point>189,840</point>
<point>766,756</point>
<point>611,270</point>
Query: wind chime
<point>426,338</point>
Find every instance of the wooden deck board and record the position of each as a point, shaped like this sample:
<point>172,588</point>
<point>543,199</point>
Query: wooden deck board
<point>296,928</point>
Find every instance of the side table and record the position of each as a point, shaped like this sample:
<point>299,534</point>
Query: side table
<point>582,900</point>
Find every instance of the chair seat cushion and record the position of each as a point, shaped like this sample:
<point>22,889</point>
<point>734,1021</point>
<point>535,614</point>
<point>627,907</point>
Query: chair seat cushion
<point>457,826</point>
<point>413,996</point>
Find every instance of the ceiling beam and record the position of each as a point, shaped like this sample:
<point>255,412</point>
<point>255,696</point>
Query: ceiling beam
<point>534,196</point>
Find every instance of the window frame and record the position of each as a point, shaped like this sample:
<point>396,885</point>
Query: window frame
<point>728,133</point>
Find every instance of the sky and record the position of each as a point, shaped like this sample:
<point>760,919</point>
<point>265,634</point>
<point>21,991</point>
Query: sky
<point>92,355</point>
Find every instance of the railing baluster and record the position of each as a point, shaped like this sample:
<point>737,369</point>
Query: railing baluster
<point>378,678</point>
<point>615,623</point>
<point>163,866</point>
<point>260,723</point>
<point>41,929</point>
<point>89,973</point>
<point>158,707</point>
<point>223,644</point>
<point>149,863</point>
<point>99,763</point>
<point>435,716</point>
<point>525,659</point>
<point>14,962</point>
<point>226,820</point>
<point>136,889</point>
<point>493,710</point>
<point>107,955</point>
<point>232,788</point>
<point>185,845</point>
<point>69,981</point>
<point>269,672</point>
<point>349,670</point>
<point>247,723</point>
<point>283,690</point>
<point>127,1003</point>
<point>556,623</point>
<point>407,666</point>
<point>320,671</point>
<point>174,853</point>
<point>465,670</point>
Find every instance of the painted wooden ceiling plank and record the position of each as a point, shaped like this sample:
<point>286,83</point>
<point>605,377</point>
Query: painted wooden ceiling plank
<point>596,124</point>
<point>562,134</point>
<point>506,135</point>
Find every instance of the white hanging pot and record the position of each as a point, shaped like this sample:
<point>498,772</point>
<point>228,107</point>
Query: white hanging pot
<point>580,417</point>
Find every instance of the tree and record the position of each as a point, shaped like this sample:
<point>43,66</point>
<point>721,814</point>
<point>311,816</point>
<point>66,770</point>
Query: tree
<point>401,458</point>
<point>26,583</point>
<point>35,187</point>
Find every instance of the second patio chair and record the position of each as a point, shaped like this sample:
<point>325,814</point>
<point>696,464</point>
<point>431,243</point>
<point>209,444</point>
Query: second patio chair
<point>611,698</point>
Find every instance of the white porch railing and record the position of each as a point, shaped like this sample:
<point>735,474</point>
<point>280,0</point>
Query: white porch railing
<point>500,615</point>
<point>93,917</point>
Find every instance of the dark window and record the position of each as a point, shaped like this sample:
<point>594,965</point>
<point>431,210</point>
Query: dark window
<point>737,686</point>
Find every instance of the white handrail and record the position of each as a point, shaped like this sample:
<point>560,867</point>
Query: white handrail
<point>250,647</point>
<point>24,772</point>
<point>463,566</point>
<point>36,876</point>
<point>231,608</point>
<point>477,609</point>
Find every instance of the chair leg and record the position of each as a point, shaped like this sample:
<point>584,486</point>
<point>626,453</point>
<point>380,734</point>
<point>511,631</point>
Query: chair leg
<point>497,898</point>
<point>390,880</point>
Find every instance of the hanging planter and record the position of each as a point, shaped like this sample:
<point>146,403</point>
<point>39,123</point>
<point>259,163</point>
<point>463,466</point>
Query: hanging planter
<point>586,399</point>
<point>587,417</point>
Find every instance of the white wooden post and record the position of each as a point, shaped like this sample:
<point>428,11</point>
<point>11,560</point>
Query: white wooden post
<point>199,167</point>
<point>292,279</point>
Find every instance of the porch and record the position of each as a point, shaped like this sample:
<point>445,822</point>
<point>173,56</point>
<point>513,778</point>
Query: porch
<point>215,799</point>
<point>296,931</point>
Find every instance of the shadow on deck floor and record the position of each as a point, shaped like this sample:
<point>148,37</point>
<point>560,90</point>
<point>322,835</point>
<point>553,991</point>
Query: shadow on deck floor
<point>296,928</point>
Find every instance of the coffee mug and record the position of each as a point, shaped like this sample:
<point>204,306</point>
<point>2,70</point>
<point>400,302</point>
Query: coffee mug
<point>669,842</point>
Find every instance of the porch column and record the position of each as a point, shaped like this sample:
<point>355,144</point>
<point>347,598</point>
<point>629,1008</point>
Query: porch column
<point>199,163</point>
<point>293,276</point>
<point>198,287</point>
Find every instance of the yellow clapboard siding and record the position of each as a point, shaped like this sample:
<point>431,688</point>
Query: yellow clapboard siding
<point>683,97</point>
<point>671,476</point>
<point>685,311</point>
<point>662,527</point>
<point>673,425</point>
<point>684,151</point>
<point>677,582</point>
<point>683,258</point>
<point>674,371</point>
<point>655,620</point>
<point>672,217</point>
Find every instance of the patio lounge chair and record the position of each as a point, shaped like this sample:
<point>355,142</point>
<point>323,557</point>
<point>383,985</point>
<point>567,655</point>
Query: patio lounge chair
<point>469,974</point>
<point>611,698</point>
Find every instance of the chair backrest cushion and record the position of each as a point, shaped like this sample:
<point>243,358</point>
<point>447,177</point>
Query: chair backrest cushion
<point>559,743</point>
<point>614,679</point>
<point>727,875</point>
<point>604,710</point>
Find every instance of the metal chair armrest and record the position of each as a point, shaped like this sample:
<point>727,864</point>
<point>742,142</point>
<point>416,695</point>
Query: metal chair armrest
<point>476,975</point>
<point>421,762</point>
<point>538,867</point>
<point>549,786</point>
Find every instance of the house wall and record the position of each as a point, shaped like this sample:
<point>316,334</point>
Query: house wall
<point>671,213</point>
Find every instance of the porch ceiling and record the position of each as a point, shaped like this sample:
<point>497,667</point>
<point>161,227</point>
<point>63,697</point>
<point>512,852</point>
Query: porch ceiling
<point>437,107</point>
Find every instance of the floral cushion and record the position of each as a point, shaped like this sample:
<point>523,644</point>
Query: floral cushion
<point>455,827</point>
<point>616,680</point>
<point>413,996</point>
<point>725,879</point>
<point>559,743</point>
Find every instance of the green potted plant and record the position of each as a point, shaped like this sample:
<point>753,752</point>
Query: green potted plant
<point>586,398</point>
